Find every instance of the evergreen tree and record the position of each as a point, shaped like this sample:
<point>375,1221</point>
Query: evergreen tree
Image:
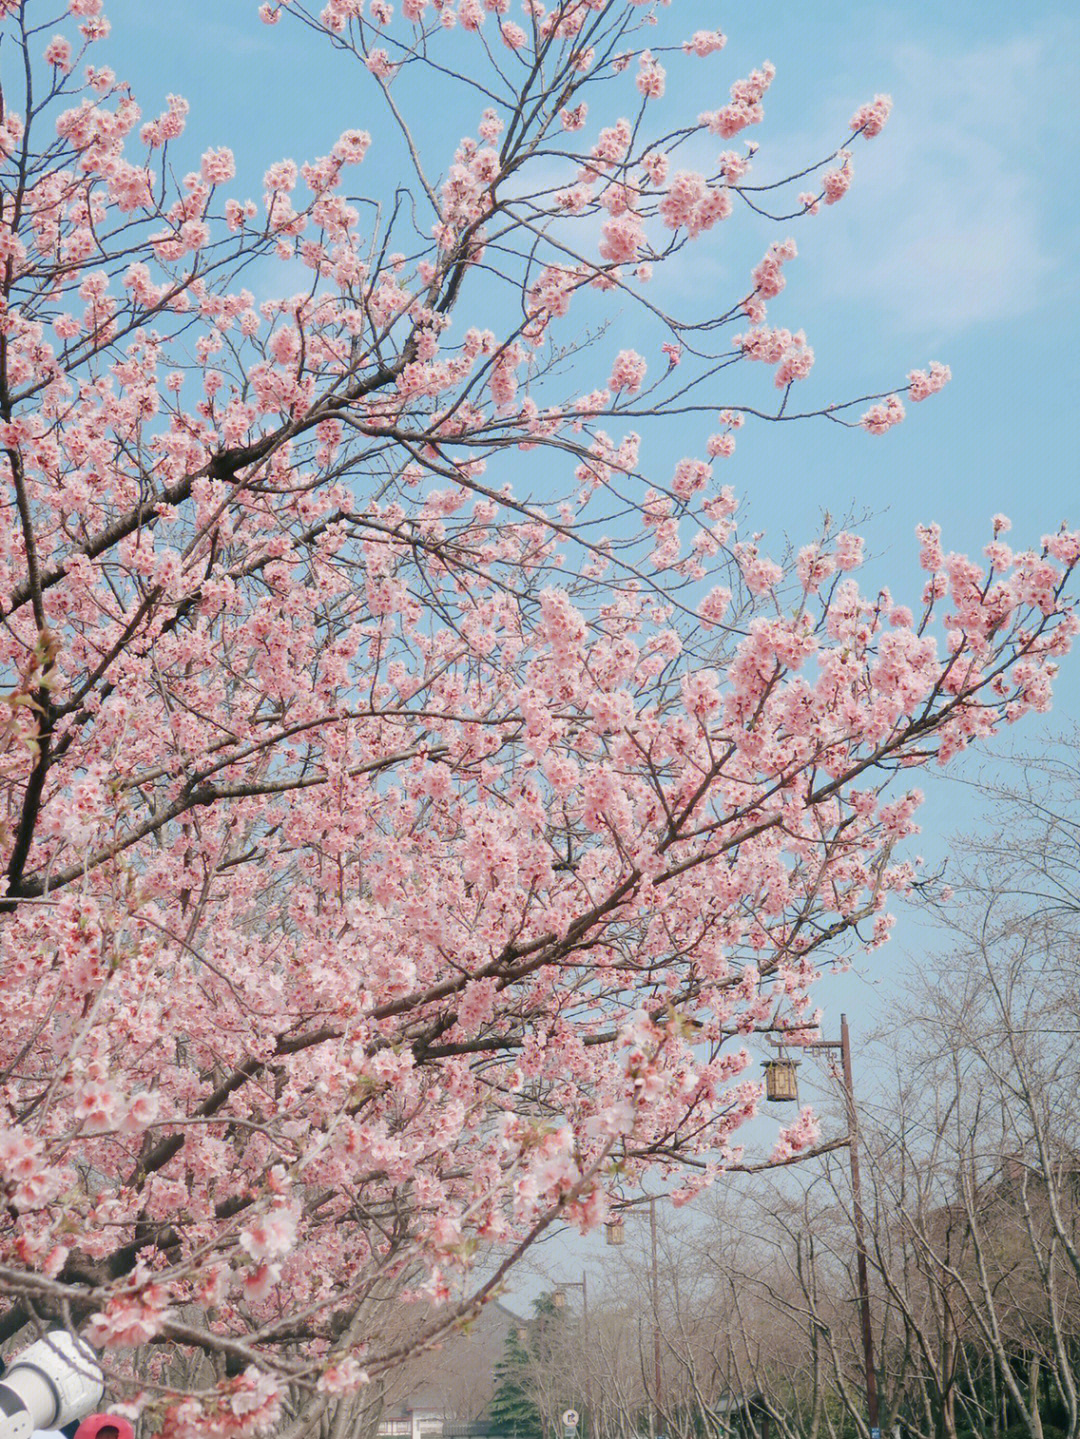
<point>513,1409</point>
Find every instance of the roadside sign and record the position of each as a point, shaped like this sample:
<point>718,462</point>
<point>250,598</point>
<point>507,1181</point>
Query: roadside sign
<point>570,1419</point>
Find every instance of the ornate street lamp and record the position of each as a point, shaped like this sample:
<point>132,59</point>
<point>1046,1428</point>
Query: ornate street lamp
<point>616,1234</point>
<point>781,1080</point>
<point>781,1086</point>
<point>558,1300</point>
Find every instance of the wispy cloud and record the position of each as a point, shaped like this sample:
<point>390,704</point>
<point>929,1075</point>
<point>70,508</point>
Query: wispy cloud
<point>955,230</point>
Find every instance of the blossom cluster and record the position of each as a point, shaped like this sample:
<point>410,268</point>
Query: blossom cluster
<point>417,790</point>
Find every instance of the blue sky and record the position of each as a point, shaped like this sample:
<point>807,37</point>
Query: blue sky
<point>958,242</point>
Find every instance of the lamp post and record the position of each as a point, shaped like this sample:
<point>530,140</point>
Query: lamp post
<point>781,1086</point>
<point>616,1234</point>
<point>558,1298</point>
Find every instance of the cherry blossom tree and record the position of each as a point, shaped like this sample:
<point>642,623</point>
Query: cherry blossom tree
<point>410,803</point>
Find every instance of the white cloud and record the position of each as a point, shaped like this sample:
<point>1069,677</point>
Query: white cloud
<point>954,229</point>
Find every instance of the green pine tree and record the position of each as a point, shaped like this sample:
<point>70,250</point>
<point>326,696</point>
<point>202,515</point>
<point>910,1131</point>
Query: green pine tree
<point>513,1409</point>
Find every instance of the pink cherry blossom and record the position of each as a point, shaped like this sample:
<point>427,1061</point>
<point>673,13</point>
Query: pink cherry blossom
<point>836,182</point>
<point>879,418</point>
<point>129,1320</point>
<point>870,118</point>
<point>271,1235</point>
<point>650,78</point>
<point>923,384</point>
<point>417,793</point>
<point>628,372</point>
<point>218,166</point>
<point>58,53</point>
<point>704,42</point>
<point>798,1136</point>
<point>378,62</point>
<point>622,238</point>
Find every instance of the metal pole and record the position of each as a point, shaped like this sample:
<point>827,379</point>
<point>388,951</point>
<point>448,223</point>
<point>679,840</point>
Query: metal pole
<point>656,1307</point>
<point>590,1422</point>
<point>860,1236</point>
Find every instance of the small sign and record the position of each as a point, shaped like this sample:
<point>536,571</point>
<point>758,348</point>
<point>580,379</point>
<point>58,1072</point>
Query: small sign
<point>570,1419</point>
<point>875,1433</point>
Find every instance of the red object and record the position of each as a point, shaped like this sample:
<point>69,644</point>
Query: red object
<point>98,1426</point>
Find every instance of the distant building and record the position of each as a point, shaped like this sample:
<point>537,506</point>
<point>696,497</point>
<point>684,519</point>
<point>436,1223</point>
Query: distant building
<point>409,1423</point>
<point>446,1394</point>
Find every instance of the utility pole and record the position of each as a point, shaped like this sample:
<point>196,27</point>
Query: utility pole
<point>590,1431</point>
<point>615,1234</point>
<point>656,1309</point>
<point>860,1231</point>
<point>559,1300</point>
<point>781,1087</point>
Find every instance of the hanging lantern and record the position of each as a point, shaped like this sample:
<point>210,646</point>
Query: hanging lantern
<point>781,1081</point>
<point>615,1232</point>
<point>558,1298</point>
